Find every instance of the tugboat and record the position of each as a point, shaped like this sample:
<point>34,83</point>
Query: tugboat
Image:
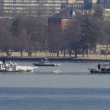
<point>45,63</point>
<point>12,67</point>
<point>103,69</point>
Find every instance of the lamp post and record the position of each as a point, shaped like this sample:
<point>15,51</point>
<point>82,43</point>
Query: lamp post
<point>46,47</point>
<point>88,51</point>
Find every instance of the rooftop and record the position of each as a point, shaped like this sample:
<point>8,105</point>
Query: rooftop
<point>66,13</point>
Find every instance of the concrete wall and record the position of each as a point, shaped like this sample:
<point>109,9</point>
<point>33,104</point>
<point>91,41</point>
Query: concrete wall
<point>71,1</point>
<point>94,1</point>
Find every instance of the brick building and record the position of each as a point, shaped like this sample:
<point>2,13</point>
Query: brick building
<point>60,20</point>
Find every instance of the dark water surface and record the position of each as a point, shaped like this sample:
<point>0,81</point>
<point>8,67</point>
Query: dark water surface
<point>73,89</point>
<point>54,99</point>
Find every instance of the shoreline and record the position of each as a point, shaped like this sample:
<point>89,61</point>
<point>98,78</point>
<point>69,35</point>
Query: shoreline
<point>42,55</point>
<point>54,59</point>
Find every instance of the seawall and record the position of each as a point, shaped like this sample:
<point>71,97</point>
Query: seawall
<point>41,55</point>
<point>54,59</point>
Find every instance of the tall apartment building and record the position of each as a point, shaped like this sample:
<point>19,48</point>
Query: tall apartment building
<point>86,4</point>
<point>24,6</point>
<point>1,3</point>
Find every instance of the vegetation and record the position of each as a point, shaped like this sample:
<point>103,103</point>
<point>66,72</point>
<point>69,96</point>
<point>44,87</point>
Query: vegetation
<point>30,34</point>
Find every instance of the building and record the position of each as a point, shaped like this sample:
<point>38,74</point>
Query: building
<point>107,14</point>
<point>71,1</point>
<point>24,6</point>
<point>76,7</point>
<point>86,4</point>
<point>89,4</point>
<point>60,20</point>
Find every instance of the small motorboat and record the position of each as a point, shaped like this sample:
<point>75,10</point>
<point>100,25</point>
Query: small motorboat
<point>102,71</point>
<point>45,63</point>
<point>13,67</point>
<point>102,68</point>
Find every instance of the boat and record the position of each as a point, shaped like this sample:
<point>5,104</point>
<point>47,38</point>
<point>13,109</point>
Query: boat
<point>13,67</point>
<point>45,63</point>
<point>102,68</point>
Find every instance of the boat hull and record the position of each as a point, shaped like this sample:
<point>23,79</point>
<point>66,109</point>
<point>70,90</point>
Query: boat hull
<point>11,71</point>
<point>44,64</point>
<point>94,71</point>
<point>16,71</point>
<point>13,67</point>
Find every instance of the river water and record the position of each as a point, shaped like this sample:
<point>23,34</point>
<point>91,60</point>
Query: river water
<point>73,89</point>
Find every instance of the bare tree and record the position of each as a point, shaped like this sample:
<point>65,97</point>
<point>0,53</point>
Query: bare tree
<point>6,41</point>
<point>73,36</point>
<point>35,24</point>
<point>105,34</point>
<point>22,40</point>
<point>98,13</point>
<point>55,41</point>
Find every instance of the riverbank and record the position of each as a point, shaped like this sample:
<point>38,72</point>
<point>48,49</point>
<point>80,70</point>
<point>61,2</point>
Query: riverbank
<point>39,55</point>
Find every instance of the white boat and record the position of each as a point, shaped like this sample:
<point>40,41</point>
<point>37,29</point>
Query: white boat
<point>13,67</point>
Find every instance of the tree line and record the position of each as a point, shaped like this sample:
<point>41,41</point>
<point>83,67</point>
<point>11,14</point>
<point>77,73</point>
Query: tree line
<point>31,34</point>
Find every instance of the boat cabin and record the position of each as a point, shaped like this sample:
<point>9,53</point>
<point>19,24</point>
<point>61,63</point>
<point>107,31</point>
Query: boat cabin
<point>1,65</point>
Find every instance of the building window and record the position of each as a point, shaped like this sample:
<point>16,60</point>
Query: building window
<point>65,22</point>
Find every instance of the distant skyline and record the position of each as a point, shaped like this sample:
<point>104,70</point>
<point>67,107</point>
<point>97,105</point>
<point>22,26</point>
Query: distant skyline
<point>10,7</point>
<point>22,6</point>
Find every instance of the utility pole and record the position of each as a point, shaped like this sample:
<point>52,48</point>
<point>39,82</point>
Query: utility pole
<point>46,47</point>
<point>88,51</point>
